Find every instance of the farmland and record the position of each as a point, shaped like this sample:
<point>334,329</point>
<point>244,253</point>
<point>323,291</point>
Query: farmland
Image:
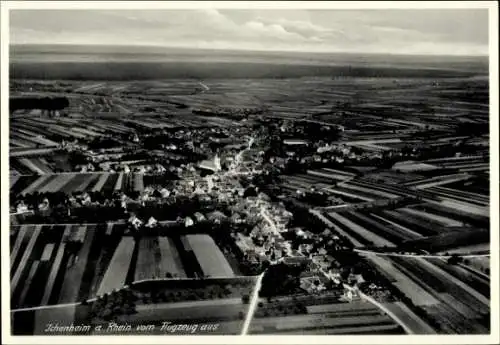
<point>212,261</point>
<point>84,261</point>
<point>76,182</point>
<point>357,317</point>
<point>433,283</point>
<point>147,199</point>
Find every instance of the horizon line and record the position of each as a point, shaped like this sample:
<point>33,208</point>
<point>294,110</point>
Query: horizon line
<point>250,50</point>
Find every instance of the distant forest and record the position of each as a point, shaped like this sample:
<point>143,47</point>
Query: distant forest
<point>159,70</point>
<point>45,103</point>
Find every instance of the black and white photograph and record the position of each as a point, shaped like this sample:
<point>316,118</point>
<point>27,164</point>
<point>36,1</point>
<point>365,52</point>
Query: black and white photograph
<point>272,170</point>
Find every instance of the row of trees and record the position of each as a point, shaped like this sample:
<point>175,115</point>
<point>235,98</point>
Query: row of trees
<point>110,306</point>
<point>45,103</point>
<point>281,279</point>
<point>188,294</point>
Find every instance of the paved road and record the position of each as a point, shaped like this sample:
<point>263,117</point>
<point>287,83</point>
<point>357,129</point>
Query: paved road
<point>253,304</point>
<point>407,329</point>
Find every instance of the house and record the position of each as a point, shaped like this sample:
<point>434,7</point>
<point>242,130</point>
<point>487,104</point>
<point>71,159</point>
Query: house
<point>355,279</point>
<point>216,216</point>
<point>188,222</point>
<point>152,222</point>
<point>312,284</point>
<point>21,207</point>
<point>199,217</point>
<point>44,206</point>
<point>351,293</point>
<point>135,222</point>
<point>165,193</point>
<point>297,261</point>
<point>305,248</point>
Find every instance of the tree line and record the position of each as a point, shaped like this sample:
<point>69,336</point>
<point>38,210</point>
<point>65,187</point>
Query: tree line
<point>49,104</point>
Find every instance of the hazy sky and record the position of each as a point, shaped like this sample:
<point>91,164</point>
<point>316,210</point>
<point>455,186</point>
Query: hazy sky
<point>457,31</point>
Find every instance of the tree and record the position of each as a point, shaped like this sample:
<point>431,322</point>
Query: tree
<point>245,299</point>
<point>454,259</point>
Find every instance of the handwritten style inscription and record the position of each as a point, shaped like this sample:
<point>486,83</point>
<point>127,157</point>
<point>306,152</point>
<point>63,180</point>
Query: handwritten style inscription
<point>114,327</point>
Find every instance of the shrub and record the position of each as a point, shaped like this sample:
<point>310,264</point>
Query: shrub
<point>245,299</point>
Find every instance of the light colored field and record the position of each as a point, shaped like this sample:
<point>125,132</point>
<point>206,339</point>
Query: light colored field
<point>465,207</point>
<point>53,274</point>
<point>315,321</point>
<point>452,159</point>
<point>170,260</point>
<point>409,318</point>
<point>74,274</point>
<point>17,243</point>
<point>47,252</point>
<point>364,330</point>
<point>350,195</point>
<point>24,260</point>
<point>458,306</point>
<point>478,265</point>
<point>138,182</point>
<point>413,166</point>
<point>119,181</point>
<point>57,183</point>
<point>85,183</point>
<point>370,191</point>
<point>28,282</point>
<point>341,307</point>
<point>19,143</point>
<point>372,142</point>
<point>100,183</point>
<point>12,180</point>
<point>411,234</point>
<point>440,219</point>
<point>329,175</point>
<point>208,309</point>
<point>340,172</point>
<point>209,256</point>
<point>146,267</point>
<point>115,275</point>
<point>458,196</point>
<point>441,182</point>
<point>32,166</point>
<point>470,249</point>
<point>405,284</point>
<point>448,277</point>
<point>377,240</point>
<point>335,227</point>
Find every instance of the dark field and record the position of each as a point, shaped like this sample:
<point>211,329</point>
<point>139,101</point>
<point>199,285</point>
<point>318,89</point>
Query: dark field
<point>155,70</point>
<point>136,63</point>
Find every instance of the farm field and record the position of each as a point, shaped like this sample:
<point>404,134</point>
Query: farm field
<point>212,261</point>
<point>357,317</point>
<point>116,273</point>
<point>442,290</point>
<point>393,170</point>
<point>158,258</point>
<point>76,262</point>
<point>74,182</point>
<point>431,283</point>
<point>455,296</point>
<point>409,318</point>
